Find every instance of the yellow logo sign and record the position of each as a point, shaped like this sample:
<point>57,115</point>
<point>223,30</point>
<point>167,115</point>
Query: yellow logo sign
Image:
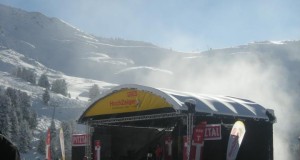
<point>127,100</point>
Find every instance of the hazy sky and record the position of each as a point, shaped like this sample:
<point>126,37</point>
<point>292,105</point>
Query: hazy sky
<point>181,25</point>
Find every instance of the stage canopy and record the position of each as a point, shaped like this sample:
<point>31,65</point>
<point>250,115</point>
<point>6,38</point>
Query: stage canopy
<point>131,119</point>
<point>132,100</point>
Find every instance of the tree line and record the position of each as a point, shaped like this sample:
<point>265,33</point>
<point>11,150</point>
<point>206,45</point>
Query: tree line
<point>15,111</point>
<point>58,86</point>
<point>17,119</point>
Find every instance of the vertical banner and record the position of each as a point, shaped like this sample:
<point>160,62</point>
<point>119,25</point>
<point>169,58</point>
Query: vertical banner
<point>97,149</point>
<point>168,148</point>
<point>192,150</point>
<point>48,141</point>
<point>235,140</point>
<point>198,141</point>
<point>62,143</point>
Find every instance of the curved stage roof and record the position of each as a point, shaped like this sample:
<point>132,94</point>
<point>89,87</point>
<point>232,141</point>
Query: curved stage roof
<point>142,100</point>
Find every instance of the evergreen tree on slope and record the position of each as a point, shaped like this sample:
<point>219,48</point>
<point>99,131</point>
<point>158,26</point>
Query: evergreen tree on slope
<point>60,86</point>
<point>44,82</point>
<point>42,143</point>
<point>5,109</point>
<point>25,137</point>
<point>94,92</point>
<point>46,97</point>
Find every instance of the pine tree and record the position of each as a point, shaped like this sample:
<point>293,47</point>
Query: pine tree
<point>52,130</point>
<point>12,94</point>
<point>46,97</point>
<point>15,129</point>
<point>5,121</point>
<point>60,86</point>
<point>18,73</point>
<point>26,74</point>
<point>25,137</point>
<point>24,104</point>
<point>24,99</point>
<point>42,143</point>
<point>31,77</point>
<point>54,146</point>
<point>44,82</point>
<point>94,92</point>
<point>21,115</point>
<point>33,122</point>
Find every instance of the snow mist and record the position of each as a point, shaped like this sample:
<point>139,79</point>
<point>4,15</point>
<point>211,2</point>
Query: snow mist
<point>252,76</point>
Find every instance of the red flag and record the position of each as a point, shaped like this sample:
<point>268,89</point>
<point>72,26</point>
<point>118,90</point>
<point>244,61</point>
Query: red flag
<point>198,134</point>
<point>48,141</point>
<point>198,141</point>
<point>168,148</point>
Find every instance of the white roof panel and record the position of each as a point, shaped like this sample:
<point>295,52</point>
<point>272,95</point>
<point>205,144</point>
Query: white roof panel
<point>212,104</point>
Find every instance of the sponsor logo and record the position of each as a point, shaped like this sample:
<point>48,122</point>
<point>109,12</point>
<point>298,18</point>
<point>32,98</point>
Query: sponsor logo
<point>132,101</point>
<point>79,139</point>
<point>123,102</point>
<point>132,94</point>
<point>213,132</point>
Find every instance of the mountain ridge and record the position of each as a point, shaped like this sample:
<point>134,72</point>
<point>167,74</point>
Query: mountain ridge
<point>63,47</point>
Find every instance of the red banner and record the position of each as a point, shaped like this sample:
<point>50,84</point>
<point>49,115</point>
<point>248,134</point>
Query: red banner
<point>168,148</point>
<point>213,132</point>
<point>198,141</point>
<point>198,134</point>
<point>79,139</point>
<point>48,142</point>
<point>97,150</point>
<point>201,132</point>
<point>185,146</point>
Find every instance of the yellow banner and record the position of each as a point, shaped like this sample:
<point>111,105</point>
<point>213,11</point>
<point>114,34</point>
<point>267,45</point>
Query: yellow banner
<point>125,101</point>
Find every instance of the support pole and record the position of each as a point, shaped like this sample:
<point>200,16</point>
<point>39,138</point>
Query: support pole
<point>299,148</point>
<point>89,132</point>
<point>189,133</point>
<point>191,104</point>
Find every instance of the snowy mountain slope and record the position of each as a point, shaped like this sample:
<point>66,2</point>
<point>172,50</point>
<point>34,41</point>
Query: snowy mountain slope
<point>10,60</point>
<point>61,108</point>
<point>144,68</point>
<point>138,74</point>
<point>62,47</point>
<point>284,54</point>
<point>67,108</point>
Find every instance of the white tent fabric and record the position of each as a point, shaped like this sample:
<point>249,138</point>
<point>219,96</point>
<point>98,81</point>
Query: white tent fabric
<point>211,104</point>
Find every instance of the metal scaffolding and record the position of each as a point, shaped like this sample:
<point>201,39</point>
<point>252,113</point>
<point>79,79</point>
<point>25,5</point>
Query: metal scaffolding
<point>88,152</point>
<point>189,129</point>
<point>136,118</point>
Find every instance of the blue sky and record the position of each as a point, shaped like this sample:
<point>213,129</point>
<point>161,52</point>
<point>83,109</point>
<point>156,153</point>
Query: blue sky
<point>192,25</point>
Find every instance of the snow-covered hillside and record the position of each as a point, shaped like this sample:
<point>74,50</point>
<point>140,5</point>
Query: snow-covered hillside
<point>60,46</point>
<point>66,108</point>
<point>78,87</point>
